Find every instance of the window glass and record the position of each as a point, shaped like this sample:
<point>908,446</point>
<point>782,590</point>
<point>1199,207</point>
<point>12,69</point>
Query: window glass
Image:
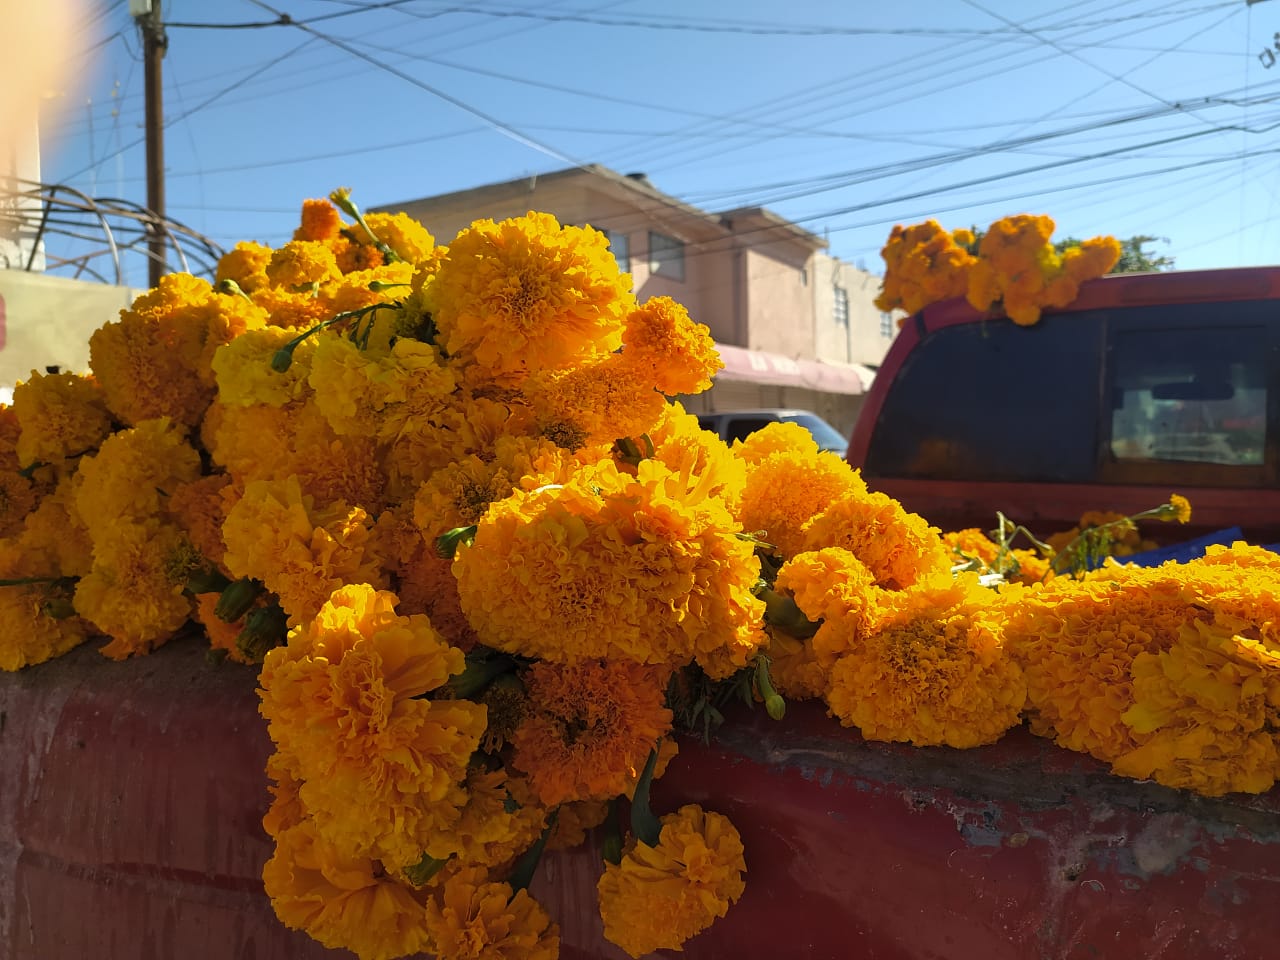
<point>621,248</point>
<point>742,427</point>
<point>666,256</point>
<point>840,307</point>
<point>1191,395</point>
<point>888,326</point>
<point>995,401</point>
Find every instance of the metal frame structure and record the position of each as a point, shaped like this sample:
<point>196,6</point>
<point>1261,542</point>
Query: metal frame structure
<point>95,237</point>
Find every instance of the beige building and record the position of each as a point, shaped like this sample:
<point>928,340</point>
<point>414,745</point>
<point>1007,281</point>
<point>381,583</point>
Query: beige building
<point>807,332</point>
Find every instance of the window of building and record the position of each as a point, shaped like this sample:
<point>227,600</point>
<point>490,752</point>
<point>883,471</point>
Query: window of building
<point>888,325</point>
<point>621,248</point>
<point>840,307</point>
<point>666,256</point>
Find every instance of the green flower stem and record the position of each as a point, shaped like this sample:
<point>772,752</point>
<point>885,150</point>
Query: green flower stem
<point>447,543</point>
<point>646,827</point>
<point>781,612</point>
<point>342,200</point>
<point>611,844</point>
<point>237,599</point>
<point>522,873</point>
<point>478,674</point>
<point>424,869</point>
<point>773,702</point>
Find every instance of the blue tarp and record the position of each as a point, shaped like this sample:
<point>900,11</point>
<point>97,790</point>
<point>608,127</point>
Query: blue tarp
<point>1187,550</point>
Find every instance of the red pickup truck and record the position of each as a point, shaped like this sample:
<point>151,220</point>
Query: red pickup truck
<point>1148,384</point>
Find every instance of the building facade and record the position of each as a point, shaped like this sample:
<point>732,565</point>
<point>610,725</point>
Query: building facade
<point>759,282</point>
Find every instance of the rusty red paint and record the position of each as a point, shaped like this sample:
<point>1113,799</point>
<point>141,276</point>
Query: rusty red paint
<point>131,794</point>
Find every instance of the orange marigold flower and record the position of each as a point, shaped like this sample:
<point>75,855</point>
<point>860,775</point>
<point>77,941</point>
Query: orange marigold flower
<point>406,236</point>
<point>1205,711</point>
<point>32,628</point>
<point>62,415</point>
<point>134,593</point>
<point>245,265</point>
<point>132,474</point>
<point>221,635</point>
<point>598,401</point>
<point>381,769</point>
<point>788,486</point>
<point>647,568</point>
<point>343,900</point>
<point>1076,641</point>
<point>589,727</point>
<point>835,587</point>
<point>899,548</point>
<point>670,351</point>
<point>320,221</point>
<point>939,675</point>
<point>302,264</point>
<point>155,360</point>
<point>491,830</point>
<point>470,917</point>
<point>924,264</point>
<point>199,508</point>
<point>302,552</point>
<point>54,540</point>
<point>528,294</point>
<point>659,897</point>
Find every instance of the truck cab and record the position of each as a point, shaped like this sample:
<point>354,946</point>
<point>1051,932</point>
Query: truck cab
<point>1148,384</point>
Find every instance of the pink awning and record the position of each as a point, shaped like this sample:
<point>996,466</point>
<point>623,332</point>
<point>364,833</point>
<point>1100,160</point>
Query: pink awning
<point>759,366</point>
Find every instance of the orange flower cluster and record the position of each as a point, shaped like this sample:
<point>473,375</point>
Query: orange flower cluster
<point>1014,265</point>
<point>487,566</point>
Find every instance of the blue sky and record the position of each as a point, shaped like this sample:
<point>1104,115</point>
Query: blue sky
<point>1112,116</point>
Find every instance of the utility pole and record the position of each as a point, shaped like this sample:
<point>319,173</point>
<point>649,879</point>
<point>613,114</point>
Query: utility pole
<point>154,42</point>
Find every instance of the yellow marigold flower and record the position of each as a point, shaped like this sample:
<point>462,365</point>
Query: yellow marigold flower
<point>470,916</point>
<point>406,236</point>
<point>54,540</point>
<point>32,627</point>
<point>244,375</point>
<point>199,509</point>
<point>301,552</point>
<point>245,265</point>
<point>589,727</point>
<point>355,291</point>
<point>1076,641</point>
<point>680,442</point>
<point>62,415</point>
<point>302,264</point>
<point>1205,711</point>
<point>131,475</point>
<point>778,437</point>
<point>342,900</point>
<point>669,350</point>
<point>320,221</point>
<point>659,897</point>
<point>528,294</point>
<point>380,768</point>
<point>794,668</point>
<point>364,395</point>
<point>1181,508</point>
<point>833,586</point>
<point>598,401</point>
<point>155,360</point>
<point>923,264</point>
<point>606,565</point>
<point>786,489</point>
<point>19,495</point>
<point>134,593</point>
<point>938,677</point>
<point>491,831</point>
<point>900,548</point>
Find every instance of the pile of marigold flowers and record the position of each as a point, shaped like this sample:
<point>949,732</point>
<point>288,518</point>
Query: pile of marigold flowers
<point>1012,264</point>
<point>488,571</point>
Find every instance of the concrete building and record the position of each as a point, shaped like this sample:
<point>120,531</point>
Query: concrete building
<point>797,328</point>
